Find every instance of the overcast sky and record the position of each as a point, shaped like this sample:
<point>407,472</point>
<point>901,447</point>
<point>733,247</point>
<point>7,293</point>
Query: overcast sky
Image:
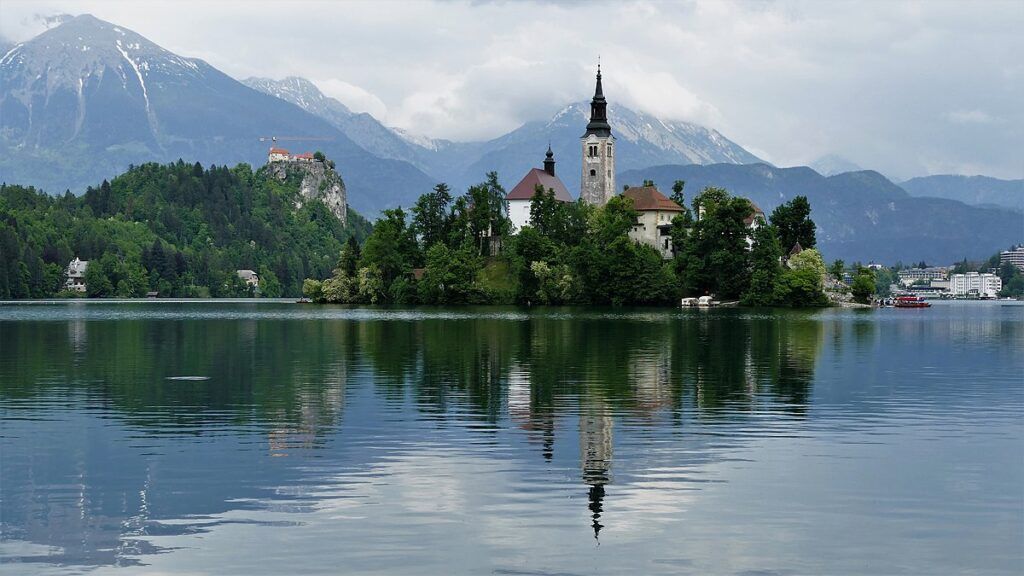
<point>905,88</point>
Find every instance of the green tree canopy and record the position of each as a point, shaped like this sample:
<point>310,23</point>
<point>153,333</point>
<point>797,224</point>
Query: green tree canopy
<point>794,224</point>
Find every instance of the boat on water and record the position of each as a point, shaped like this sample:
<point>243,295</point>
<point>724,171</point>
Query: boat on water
<point>910,302</point>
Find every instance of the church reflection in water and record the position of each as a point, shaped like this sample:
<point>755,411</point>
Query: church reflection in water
<point>596,457</point>
<point>563,381</point>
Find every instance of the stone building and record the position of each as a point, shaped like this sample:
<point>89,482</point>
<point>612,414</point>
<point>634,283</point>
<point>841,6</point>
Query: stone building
<point>598,147</point>
<point>654,224</point>
<point>520,196</point>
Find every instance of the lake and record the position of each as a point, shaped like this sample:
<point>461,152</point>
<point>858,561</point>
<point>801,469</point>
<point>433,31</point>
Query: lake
<point>264,437</point>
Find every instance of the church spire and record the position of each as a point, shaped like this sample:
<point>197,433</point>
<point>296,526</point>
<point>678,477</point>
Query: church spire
<point>549,161</point>
<point>599,110</point>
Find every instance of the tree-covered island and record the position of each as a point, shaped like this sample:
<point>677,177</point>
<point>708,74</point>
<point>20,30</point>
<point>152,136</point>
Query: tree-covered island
<point>465,250</point>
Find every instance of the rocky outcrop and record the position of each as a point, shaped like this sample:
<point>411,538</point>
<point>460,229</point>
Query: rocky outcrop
<point>319,182</point>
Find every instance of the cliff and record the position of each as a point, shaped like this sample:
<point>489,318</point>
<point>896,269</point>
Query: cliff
<point>319,181</point>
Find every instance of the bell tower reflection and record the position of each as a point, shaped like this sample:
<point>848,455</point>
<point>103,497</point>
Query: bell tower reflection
<point>596,457</point>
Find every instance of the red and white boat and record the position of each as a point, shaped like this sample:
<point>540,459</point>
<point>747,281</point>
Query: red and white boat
<point>911,302</point>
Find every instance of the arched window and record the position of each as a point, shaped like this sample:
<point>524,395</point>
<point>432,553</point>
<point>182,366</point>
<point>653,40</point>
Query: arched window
<point>593,172</point>
<point>609,149</point>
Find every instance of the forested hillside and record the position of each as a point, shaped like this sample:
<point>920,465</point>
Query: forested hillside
<point>178,229</point>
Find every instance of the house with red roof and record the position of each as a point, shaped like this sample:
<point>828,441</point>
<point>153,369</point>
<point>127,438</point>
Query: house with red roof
<point>520,196</point>
<point>282,155</point>
<point>278,155</point>
<point>654,224</point>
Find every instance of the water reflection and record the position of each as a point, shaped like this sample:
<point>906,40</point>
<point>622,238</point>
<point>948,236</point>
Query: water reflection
<point>121,434</point>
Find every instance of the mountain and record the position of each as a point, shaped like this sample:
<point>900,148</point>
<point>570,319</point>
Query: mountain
<point>831,164</point>
<point>359,127</point>
<point>978,190</point>
<point>642,140</point>
<point>861,216</point>
<point>86,99</point>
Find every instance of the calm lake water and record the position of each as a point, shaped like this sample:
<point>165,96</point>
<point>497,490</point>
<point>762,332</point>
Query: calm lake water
<point>272,438</point>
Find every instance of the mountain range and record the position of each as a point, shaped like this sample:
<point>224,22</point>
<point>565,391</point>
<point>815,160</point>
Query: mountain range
<point>977,190</point>
<point>82,101</point>
<point>860,216</point>
<point>641,140</point>
<point>86,99</point>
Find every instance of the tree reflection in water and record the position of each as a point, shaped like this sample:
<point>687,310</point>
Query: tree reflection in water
<point>287,380</point>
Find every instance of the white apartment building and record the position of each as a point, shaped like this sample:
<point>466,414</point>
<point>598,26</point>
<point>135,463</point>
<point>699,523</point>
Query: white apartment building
<point>1014,256</point>
<point>909,276</point>
<point>975,284</point>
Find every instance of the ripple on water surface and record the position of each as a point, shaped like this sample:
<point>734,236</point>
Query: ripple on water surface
<point>169,437</point>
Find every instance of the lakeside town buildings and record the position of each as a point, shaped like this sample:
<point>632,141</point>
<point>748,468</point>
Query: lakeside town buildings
<point>981,285</point>
<point>1013,256</point>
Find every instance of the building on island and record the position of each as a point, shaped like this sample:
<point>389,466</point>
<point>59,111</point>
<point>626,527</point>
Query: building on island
<point>598,146</point>
<point>75,275</point>
<point>755,221</point>
<point>249,277</point>
<point>1013,256</point>
<point>654,223</point>
<point>520,196</point>
<point>973,284</point>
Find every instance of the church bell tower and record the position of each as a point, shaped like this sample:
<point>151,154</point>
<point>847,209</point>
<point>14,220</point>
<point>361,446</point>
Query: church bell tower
<point>598,145</point>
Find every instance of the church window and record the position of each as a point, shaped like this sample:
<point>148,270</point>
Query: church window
<point>609,149</point>
<point>593,172</point>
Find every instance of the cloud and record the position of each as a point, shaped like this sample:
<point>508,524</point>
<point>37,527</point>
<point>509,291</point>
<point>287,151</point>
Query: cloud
<point>357,99</point>
<point>969,117</point>
<point>794,79</point>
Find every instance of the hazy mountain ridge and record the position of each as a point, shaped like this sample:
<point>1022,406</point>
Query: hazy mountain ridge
<point>976,190</point>
<point>860,215</point>
<point>832,164</point>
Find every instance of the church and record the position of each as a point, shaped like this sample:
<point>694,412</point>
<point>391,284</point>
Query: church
<point>598,178</point>
<point>597,149</point>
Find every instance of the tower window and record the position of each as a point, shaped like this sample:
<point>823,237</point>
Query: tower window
<point>593,172</point>
<point>609,149</point>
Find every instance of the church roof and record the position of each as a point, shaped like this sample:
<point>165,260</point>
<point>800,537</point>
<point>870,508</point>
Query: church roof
<point>598,124</point>
<point>527,187</point>
<point>648,199</point>
<point>278,151</point>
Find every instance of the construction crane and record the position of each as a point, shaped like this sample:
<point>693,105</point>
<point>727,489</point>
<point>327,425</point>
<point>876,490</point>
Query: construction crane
<point>295,139</point>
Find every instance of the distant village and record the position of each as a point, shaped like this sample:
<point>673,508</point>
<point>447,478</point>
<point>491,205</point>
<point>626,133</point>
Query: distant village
<point>942,282</point>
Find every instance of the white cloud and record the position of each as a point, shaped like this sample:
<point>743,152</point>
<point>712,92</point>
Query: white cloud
<point>357,99</point>
<point>797,79</point>
<point>969,117</point>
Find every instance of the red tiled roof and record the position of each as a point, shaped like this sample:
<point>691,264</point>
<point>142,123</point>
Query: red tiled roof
<point>527,187</point>
<point>647,199</point>
<point>305,155</point>
<point>278,151</point>
<point>757,212</point>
